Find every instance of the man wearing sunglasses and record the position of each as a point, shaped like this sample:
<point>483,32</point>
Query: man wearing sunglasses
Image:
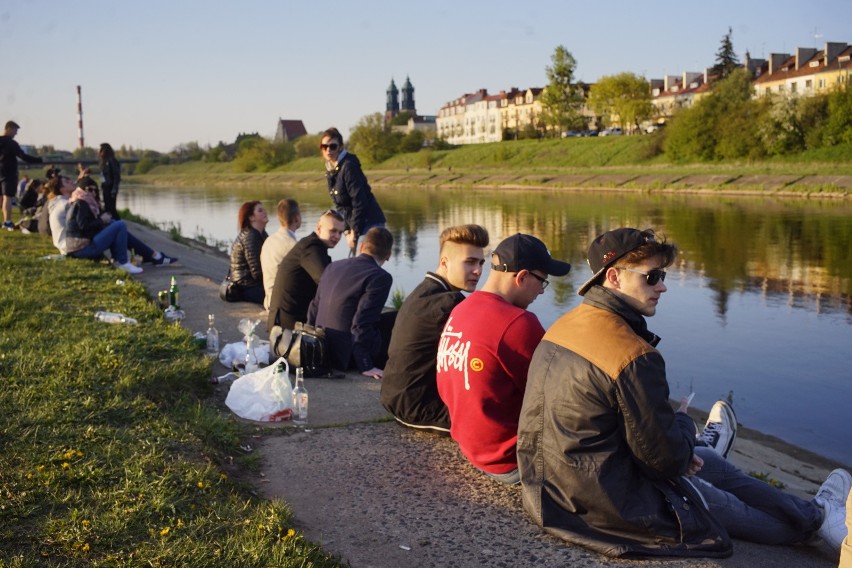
<point>485,350</point>
<point>605,461</point>
<point>349,190</point>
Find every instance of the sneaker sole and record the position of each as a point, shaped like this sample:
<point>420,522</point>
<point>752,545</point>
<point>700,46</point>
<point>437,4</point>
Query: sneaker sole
<point>732,420</point>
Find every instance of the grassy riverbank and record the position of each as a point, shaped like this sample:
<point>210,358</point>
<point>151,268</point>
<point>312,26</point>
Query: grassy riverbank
<point>635,161</point>
<point>112,452</point>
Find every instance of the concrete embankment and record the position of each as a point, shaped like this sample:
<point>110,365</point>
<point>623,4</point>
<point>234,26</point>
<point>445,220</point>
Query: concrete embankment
<point>384,496</point>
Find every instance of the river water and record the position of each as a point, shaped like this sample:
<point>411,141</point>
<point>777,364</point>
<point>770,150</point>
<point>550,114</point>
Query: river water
<point>758,302</point>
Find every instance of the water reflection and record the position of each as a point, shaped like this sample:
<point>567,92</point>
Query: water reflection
<point>758,301</point>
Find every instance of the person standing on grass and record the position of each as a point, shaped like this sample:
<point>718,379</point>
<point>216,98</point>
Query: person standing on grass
<point>10,151</point>
<point>349,190</point>
<point>111,174</point>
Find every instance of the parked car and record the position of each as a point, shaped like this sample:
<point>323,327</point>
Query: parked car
<point>571,134</point>
<point>614,131</point>
<point>654,127</point>
<point>590,133</point>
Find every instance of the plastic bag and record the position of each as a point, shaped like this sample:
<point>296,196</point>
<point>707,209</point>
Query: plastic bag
<point>234,354</point>
<point>263,396</point>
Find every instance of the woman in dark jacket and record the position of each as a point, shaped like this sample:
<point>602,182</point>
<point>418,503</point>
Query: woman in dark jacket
<point>89,233</point>
<point>111,172</point>
<point>246,274</point>
<point>349,190</point>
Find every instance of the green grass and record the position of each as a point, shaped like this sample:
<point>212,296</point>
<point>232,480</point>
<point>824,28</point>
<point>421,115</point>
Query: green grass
<point>112,450</point>
<point>537,160</point>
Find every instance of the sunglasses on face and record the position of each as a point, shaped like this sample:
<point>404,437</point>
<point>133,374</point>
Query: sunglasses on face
<point>651,277</point>
<point>332,146</point>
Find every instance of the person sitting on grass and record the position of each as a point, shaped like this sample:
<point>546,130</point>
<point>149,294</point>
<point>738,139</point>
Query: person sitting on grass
<point>80,231</point>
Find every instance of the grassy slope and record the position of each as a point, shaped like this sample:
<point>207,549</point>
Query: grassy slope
<point>602,156</point>
<point>111,452</point>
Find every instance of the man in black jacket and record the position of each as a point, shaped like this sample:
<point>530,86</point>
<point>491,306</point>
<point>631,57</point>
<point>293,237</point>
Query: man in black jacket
<point>349,302</point>
<point>10,151</point>
<point>299,273</point>
<point>606,462</point>
<point>409,387</point>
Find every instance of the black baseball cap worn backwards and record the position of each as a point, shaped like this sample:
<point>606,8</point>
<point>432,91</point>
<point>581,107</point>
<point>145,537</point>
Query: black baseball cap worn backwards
<point>607,248</point>
<point>525,252</point>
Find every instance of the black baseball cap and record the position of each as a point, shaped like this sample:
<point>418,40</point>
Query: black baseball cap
<point>12,124</point>
<point>607,248</point>
<point>525,252</point>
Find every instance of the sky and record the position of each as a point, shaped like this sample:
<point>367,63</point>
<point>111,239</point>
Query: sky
<point>156,74</point>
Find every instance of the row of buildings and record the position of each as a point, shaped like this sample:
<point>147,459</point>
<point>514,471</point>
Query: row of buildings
<point>478,117</point>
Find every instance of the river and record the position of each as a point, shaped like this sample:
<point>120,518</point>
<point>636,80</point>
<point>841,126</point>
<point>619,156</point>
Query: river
<point>758,302</point>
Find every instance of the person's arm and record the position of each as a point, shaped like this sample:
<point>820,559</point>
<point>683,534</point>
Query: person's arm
<point>520,340</point>
<point>315,260</point>
<point>660,439</point>
<point>366,337</point>
<point>19,152</point>
<point>355,184</point>
<point>253,244</point>
<point>82,221</point>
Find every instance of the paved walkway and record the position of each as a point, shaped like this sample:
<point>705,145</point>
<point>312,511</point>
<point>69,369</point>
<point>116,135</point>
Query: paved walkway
<point>381,495</point>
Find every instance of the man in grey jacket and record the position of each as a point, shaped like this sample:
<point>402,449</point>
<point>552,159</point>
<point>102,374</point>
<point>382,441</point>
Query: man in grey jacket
<point>605,461</point>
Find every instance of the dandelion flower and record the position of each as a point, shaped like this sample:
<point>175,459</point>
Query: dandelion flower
<point>164,532</point>
<point>65,465</point>
<point>201,484</point>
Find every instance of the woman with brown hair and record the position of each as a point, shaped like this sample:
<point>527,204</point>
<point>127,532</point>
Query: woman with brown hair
<point>246,273</point>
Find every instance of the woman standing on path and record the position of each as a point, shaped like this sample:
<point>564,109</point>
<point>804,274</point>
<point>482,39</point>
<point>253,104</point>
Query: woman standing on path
<point>349,190</point>
<point>246,272</point>
<point>111,172</point>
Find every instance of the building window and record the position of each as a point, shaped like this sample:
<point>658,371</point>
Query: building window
<point>809,84</point>
<point>793,87</point>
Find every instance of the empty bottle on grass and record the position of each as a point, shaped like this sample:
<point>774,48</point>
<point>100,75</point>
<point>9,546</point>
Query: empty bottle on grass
<point>112,317</point>
<point>212,336</point>
<point>300,399</point>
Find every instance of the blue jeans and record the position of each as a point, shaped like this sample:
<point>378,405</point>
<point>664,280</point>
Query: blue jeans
<point>117,239</point>
<point>751,509</point>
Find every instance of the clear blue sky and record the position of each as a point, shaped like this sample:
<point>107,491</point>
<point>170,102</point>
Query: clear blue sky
<point>159,73</point>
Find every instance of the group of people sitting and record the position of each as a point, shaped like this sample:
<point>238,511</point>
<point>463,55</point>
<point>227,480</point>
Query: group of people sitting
<point>71,213</point>
<point>578,414</point>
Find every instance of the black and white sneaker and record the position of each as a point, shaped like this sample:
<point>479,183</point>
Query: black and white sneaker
<point>164,260</point>
<point>721,429</point>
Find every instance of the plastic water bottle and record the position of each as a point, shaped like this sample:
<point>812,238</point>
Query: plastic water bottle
<point>300,399</point>
<point>212,336</point>
<point>112,317</point>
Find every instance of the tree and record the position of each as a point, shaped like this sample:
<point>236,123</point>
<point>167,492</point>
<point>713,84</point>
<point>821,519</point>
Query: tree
<point>626,95</point>
<point>370,139</point>
<point>726,59</point>
<point>561,99</point>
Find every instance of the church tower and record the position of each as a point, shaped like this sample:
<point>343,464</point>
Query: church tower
<point>392,106</point>
<point>408,97</point>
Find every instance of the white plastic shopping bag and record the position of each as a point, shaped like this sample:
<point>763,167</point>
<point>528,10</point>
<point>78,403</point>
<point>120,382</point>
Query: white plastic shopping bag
<point>263,396</point>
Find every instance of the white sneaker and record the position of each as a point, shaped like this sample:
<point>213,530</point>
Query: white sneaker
<point>129,268</point>
<point>721,428</point>
<point>831,497</point>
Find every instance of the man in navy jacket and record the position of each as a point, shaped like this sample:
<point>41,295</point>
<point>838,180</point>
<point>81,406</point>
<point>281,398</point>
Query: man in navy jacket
<point>349,302</point>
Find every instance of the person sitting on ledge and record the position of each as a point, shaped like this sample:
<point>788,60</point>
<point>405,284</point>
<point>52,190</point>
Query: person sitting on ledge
<point>606,462</point>
<point>246,271</point>
<point>80,231</point>
<point>349,306</point>
<point>409,384</point>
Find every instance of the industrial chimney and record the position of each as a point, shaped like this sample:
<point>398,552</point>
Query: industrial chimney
<point>80,116</point>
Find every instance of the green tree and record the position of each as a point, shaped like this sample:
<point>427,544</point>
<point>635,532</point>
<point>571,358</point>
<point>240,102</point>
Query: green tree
<point>726,58</point>
<point>561,98</point>
<point>371,140</point>
<point>838,126</point>
<point>401,119</point>
<point>626,95</point>
<point>724,124</point>
<point>261,155</point>
<point>412,142</point>
<point>308,146</point>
